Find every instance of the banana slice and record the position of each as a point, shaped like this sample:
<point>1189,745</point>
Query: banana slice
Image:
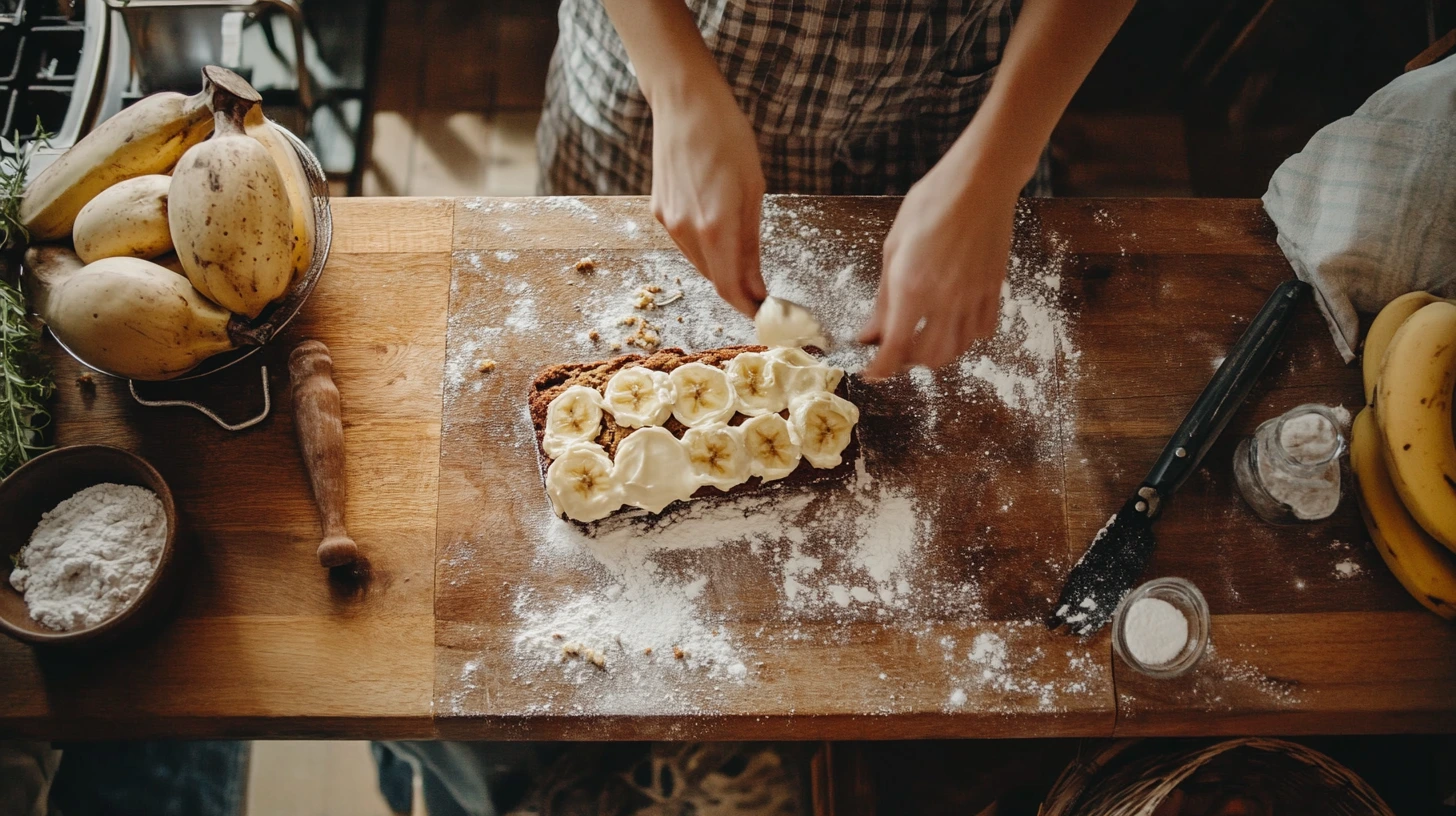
<point>797,372</point>
<point>639,396</point>
<point>582,483</point>
<point>772,451</point>
<point>752,377</point>
<point>703,395</point>
<point>824,424</point>
<point>654,470</point>
<point>574,416</point>
<point>718,455</point>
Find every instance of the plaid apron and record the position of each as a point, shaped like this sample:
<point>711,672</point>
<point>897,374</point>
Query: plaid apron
<point>846,96</point>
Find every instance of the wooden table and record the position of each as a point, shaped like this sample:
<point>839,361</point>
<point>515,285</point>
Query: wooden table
<point>1153,291</point>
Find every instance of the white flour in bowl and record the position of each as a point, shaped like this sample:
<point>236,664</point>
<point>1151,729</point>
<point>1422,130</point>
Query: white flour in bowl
<point>91,556</point>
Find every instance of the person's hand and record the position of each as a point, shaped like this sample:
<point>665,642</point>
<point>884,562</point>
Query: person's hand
<point>707,189</point>
<point>944,261</point>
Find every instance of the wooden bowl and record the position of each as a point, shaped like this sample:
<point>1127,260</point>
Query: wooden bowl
<point>34,489</point>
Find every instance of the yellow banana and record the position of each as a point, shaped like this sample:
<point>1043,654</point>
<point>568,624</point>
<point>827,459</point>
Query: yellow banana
<point>1413,408</point>
<point>295,181</point>
<point>1423,567</point>
<point>128,219</point>
<point>148,137</point>
<point>1377,338</point>
<point>229,212</point>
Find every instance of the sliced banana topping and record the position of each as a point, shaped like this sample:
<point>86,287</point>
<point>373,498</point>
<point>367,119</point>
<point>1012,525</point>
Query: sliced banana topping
<point>703,395</point>
<point>798,372</point>
<point>772,451</point>
<point>823,424</point>
<point>654,469</point>
<point>574,416</point>
<point>752,376</point>
<point>582,483</point>
<point>718,455</point>
<point>638,397</point>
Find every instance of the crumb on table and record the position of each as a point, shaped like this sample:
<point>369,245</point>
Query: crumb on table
<point>678,653</point>
<point>486,366</point>
<point>593,336</point>
<point>586,265</point>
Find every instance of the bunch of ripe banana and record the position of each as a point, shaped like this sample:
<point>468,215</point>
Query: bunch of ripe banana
<point>1402,449</point>
<point>162,263</point>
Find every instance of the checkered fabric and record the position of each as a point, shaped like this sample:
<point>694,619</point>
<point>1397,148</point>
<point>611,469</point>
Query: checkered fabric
<point>846,96</point>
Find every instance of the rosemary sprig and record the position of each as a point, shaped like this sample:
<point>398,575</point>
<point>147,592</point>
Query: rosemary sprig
<point>25,384</point>
<point>25,379</point>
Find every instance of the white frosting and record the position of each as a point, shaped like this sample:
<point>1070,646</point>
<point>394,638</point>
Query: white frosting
<point>765,435</point>
<point>786,324</point>
<point>704,396</point>
<point>654,469</point>
<point>797,372</point>
<point>639,397</point>
<point>752,376</point>
<point>574,416</point>
<point>718,455</point>
<point>819,421</point>
<point>582,483</point>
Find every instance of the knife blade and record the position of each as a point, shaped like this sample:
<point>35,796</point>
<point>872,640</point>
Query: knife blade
<point>1121,550</point>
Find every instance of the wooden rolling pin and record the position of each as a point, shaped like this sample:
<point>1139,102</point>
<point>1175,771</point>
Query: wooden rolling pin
<point>318,419</point>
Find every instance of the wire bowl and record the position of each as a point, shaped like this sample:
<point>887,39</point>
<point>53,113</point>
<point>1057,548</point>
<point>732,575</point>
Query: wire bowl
<point>257,332</point>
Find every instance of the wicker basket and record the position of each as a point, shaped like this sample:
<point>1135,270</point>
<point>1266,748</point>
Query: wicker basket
<point>1133,777</point>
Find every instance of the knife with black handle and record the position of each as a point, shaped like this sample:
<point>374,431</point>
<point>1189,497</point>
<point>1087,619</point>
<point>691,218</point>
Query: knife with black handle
<point>1120,550</point>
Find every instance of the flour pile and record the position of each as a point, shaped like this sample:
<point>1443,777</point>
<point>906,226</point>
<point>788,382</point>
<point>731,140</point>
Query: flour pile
<point>91,556</point>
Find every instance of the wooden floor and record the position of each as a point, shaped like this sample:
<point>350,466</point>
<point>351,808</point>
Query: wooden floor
<point>459,94</point>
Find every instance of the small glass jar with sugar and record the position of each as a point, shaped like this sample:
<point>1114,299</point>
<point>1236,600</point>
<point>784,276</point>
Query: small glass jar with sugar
<point>1288,472</point>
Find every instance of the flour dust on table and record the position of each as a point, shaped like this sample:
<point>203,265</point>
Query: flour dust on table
<point>650,618</point>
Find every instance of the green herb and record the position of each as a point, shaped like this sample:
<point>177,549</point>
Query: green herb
<point>25,380</point>
<point>14,168</point>
<point>25,385</point>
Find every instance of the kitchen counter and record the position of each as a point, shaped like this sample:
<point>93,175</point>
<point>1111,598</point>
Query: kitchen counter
<point>1004,468</point>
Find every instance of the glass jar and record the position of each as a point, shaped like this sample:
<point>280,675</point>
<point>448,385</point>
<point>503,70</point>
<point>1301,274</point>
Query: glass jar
<point>1184,597</point>
<point>1288,472</point>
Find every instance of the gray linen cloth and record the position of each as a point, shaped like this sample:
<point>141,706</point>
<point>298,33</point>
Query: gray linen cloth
<point>1367,211</point>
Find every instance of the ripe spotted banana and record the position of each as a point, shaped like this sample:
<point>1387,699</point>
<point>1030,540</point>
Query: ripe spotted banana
<point>148,137</point>
<point>135,319</point>
<point>229,211</point>
<point>1423,567</point>
<point>295,181</point>
<point>128,219</point>
<point>1377,338</point>
<point>1413,407</point>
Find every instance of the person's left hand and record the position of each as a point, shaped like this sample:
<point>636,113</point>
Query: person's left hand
<point>944,261</point>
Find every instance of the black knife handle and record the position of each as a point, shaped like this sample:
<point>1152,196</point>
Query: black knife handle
<point>1225,392</point>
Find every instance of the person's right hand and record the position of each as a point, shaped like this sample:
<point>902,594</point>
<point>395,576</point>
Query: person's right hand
<point>707,188</point>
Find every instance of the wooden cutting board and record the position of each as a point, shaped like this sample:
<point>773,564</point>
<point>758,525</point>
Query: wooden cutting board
<point>1008,466</point>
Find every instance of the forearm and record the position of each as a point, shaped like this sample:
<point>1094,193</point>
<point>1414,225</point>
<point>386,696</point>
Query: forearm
<point>665,46</point>
<point>1050,52</point>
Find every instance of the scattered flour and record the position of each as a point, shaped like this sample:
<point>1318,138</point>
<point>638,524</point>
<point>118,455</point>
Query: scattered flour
<point>91,555</point>
<point>647,594</point>
<point>1347,569</point>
